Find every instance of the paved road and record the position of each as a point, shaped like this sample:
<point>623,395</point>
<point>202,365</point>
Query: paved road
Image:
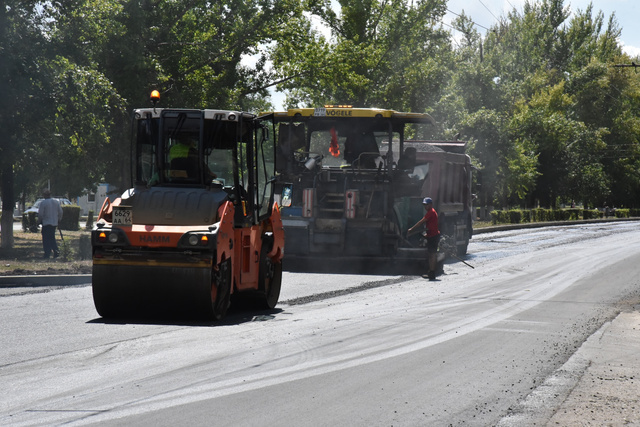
<point>475,348</point>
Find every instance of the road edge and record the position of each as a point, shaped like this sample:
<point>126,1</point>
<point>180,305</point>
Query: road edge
<point>45,280</point>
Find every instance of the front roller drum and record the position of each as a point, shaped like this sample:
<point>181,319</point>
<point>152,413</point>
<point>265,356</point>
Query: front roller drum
<point>124,291</point>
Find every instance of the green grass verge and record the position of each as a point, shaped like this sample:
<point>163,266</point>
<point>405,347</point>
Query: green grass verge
<point>26,256</point>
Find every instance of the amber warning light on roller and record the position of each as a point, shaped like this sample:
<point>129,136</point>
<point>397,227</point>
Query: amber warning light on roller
<point>155,97</point>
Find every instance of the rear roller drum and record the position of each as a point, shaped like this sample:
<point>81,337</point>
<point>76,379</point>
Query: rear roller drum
<point>270,278</point>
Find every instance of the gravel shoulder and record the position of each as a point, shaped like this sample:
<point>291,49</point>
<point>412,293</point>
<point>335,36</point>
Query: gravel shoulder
<point>608,392</point>
<point>597,386</point>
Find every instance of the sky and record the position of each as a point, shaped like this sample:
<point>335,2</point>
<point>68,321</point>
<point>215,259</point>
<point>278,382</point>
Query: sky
<point>486,13</point>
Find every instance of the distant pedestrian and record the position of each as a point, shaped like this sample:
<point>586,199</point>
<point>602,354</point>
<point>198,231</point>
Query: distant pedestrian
<point>433,235</point>
<point>49,215</point>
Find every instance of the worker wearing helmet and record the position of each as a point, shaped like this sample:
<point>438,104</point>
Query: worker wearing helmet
<point>430,219</point>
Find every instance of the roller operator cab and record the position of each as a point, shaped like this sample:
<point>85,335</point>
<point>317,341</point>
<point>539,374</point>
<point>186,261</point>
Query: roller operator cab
<point>199,223</point>
<point>351,182</point>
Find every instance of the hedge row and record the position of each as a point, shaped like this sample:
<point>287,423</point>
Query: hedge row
<point>515,216</point>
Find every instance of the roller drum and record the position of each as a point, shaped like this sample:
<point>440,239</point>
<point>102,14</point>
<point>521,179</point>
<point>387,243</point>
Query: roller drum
<point>134,291</point>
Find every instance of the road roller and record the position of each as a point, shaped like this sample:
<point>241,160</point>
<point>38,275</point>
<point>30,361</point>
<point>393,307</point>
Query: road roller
<point>198,228</point>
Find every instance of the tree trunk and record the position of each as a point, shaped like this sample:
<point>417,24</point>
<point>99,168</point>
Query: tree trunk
<point>8,204</point>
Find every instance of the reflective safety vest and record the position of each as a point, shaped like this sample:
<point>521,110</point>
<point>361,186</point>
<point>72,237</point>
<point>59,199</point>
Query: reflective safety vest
<point>179,151</point>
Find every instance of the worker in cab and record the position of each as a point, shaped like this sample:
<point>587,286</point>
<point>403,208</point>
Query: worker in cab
<point>183,160</point>
<point>430,219</point>
<point>361,150</point>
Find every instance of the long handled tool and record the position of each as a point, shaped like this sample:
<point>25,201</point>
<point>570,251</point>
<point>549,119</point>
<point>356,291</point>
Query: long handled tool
<point>449,251</point>
<point>460,259</point>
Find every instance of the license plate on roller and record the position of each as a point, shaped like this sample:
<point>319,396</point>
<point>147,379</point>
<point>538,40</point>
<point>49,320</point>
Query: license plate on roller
<point>122,215</point>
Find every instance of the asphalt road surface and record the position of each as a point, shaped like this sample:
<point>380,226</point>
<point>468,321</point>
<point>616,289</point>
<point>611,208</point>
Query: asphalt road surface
<point>470,349</point>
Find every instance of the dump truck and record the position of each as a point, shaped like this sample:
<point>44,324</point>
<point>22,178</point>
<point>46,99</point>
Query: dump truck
<point>199,225</point>
<point>447,172</point>
<point>350,182</point>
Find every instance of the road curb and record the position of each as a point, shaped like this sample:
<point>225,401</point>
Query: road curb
<point>44,280</point>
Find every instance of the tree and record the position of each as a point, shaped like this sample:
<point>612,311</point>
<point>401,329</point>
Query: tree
<point>23,84</point>
<point>568,150</point>
<point>391,54</point>
<point>56,114</point>
<point>87,61</point>
<point>608,97</point>
<point>548,78</point>
<point>192,51</point>
<point>506,164</point>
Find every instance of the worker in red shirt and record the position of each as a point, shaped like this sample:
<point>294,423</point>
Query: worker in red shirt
<point>433,235</point>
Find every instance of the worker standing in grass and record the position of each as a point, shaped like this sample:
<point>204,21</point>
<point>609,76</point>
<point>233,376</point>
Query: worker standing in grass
<point>433,235</point>
<point>49,215</point>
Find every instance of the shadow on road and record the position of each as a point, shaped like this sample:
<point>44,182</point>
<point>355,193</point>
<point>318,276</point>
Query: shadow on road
<point>238,314</point>
<point>376,267</point>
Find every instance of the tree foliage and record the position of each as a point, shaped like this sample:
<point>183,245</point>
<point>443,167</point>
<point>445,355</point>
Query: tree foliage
<point>24,83</point>
<point>392,53</point>
<point>549,85</point>
<point>547,115</point>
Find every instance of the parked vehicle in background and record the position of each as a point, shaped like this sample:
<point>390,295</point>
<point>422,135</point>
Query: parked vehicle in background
<point>30,215</point>
<point>447,173</point>
<point>63,202</point>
